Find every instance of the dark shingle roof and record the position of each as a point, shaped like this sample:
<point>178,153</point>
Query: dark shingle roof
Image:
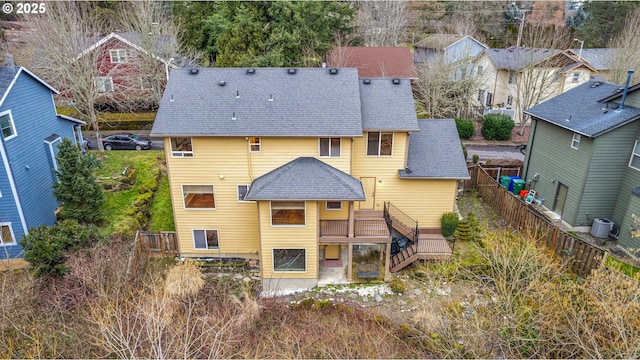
<point>306,178</point>
<point>374,62</point>
<point>268,102</point>
<point>519,58</point>
<point>582,111</point>
<point>435,152</point>
<point>387,106</point>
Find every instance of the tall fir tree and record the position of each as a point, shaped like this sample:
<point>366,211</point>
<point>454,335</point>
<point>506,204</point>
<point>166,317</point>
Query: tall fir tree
<point>77,190</point>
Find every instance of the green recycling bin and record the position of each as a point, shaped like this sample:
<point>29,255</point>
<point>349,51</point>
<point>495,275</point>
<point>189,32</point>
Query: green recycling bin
<point>505,180</point>
<point>518,184</point>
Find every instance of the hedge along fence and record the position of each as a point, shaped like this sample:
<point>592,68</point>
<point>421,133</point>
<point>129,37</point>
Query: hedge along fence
<point>116,121</point>
<point>583,256</point>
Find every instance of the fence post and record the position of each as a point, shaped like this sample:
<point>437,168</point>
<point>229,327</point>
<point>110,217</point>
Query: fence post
<point>525,209</point>
<point>161,243</point>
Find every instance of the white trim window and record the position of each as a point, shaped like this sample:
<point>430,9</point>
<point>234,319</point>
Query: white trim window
<point>481,95</point>
<point>104,84</point>
<point>7,238</point>
<point>575,141</point>
<point>329,147</point>
<point>198,197</point>
<point>118,56</point>
<point>509,100</point>
<point>634,162</point>
<point>181,147</point>
<point>242,192</point>
<point>7,125</point>
<point>287,260</point>
<point>206,240</point>
<point>254,144</point>
<point>288,213</point>
<point>379,143</point>
<point>575,77</point>
<point>333,205</point>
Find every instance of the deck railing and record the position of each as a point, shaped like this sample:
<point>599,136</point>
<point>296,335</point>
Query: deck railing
<point>392,213</point>
<point>334,228</point>
<point>340,228</point>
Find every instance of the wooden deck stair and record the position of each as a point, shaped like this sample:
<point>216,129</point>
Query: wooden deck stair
<point>428,247</point>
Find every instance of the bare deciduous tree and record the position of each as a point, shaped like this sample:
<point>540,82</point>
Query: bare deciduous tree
<point>627,55</point>
<point>382,23</point>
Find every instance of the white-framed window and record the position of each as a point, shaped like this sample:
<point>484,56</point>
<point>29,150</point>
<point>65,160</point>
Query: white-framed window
<point>513,77</point>
<point>146,82</point>
<point>575,142</point>
<point>334,205</point>
<point>242,192</point>
<point>7,125</point>
<point>205,240</point>
<point>118,56</point>
<point>104,84</point>
<point>509,99</point>
<point>198,197</point>
<point>481,95</point>
<point>254,144</point>
<point>288,213</point>
<point>6,235</point>
<point>479,70</point>
<point>290,260</point>
<point>556,76</point>
<point>379,143</point>
<point>181,147</point>
<point>329,147</point>
<point>634,162</point>
<point>575,78</point>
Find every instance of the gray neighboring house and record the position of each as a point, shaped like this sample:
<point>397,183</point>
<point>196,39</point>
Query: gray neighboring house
<point>454,48</point>
<point>584,157</point>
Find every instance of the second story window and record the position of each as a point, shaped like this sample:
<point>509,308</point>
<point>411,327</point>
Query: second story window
<point>7,126</point>
<point>330,147</point>
<point>198,197</point>
<point>575,78</point>
<point>118,56</point>
<point>512,77</point>
<point>104,84</point>
<point>509,99</point>
<point>479,71</point>
<point>254,144</point>
<point>181,147</point>
<point>379,143</point>
<point>575,142</point>
<point>480,95</point>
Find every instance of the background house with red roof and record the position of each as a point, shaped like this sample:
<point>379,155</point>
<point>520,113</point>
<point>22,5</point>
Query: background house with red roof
<point>374,62</point>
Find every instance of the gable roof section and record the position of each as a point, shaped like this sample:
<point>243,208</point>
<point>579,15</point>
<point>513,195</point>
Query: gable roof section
<point>130,39</point>
<point>8,77</point>
<point>586,110</point>
<point>599,58</point>
<point>387,106</point>
<point>374,62</point>
<point>268,102</point>
<point>435,152</point>
<point>519,58</point>
<point>443,41</point>
<point>306,178</point>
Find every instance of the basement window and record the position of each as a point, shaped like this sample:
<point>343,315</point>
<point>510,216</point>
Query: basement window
<point>289,259</point>
<point>206,239</point>
<point>575,142</point>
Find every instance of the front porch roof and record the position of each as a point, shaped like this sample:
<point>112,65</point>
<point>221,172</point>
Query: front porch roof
<point>306,178</point>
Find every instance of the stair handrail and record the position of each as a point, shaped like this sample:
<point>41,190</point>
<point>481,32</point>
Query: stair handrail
<point>391,210</point>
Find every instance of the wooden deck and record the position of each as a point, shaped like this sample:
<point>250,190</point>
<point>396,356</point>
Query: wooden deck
<point>428,247</point>
<point>369,226</point>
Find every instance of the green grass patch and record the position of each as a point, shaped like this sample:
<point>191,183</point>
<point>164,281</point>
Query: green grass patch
<point>118,203</point>
<point>161,210</point>
<point>622,267</point>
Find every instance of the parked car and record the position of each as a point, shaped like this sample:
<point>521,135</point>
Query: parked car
<point>126,141</point>
<point>86,144</point>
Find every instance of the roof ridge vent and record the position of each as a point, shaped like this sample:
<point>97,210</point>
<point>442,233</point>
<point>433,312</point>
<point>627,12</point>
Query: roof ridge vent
<point>395,81</point>
<point>333,71</point>
<point>596,84</point>
<point>233,116</point>
<point>292,71</point>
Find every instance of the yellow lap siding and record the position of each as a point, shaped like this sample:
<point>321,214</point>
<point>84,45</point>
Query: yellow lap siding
<point>424,200</point>
<point>289,237</point>
<point>342,214</point>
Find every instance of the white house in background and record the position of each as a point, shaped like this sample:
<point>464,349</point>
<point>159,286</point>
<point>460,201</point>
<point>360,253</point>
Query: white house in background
<point>453,48</point>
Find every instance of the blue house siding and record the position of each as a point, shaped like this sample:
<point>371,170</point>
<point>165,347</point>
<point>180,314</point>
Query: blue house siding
<point>8,210</point>
<point>29,155</point>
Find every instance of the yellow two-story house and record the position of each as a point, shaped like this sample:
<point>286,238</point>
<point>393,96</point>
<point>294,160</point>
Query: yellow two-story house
<point>304,169</point>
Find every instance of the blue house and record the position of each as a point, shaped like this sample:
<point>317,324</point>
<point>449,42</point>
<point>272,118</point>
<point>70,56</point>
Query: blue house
<point>31,130</point>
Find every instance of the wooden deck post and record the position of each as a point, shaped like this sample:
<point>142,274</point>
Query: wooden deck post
<point>351,223</point>
<point>350,263</point>
<point>387,258</point>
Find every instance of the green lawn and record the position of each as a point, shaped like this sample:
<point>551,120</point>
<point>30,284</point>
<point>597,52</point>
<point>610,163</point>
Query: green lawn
<point>627,269</point>
<point>118,203</point>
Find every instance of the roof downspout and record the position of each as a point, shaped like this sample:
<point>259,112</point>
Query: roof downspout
<point>626,89</point>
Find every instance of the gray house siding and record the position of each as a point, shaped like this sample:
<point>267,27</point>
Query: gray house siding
<point>630,180</point>
<point>554,161</point>
<point>463,49</point>
<point>625,240</point>
<point>632,99</point>
<point>606,173</point>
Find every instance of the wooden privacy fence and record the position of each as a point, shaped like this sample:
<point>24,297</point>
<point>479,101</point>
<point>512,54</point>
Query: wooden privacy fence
<point>584,256</point>
<point>161,244</point>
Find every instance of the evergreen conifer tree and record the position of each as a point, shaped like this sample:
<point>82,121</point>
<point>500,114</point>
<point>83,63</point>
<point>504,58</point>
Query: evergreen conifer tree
<point>77,190</point>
